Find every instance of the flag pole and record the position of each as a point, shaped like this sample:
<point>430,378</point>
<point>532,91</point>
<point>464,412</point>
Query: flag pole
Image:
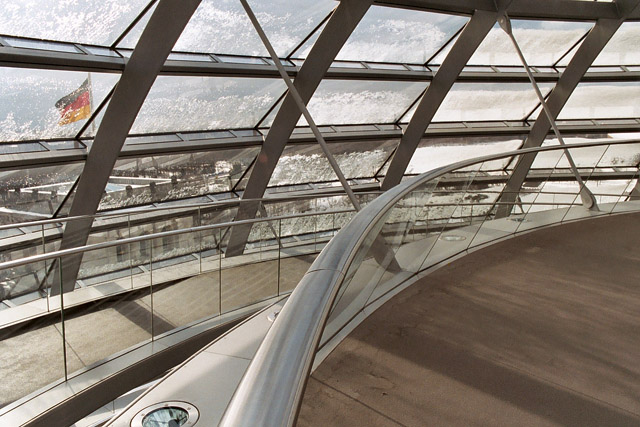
<point>93,122</point>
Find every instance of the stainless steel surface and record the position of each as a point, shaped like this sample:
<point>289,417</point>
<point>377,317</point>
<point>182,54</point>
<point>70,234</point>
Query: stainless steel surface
<point>128,240</point>
<point>587,52</point>
<point>336,32</point>
<point>587,198</point>
<point>284,360</point>
<point>301,105</point>
<point>470,38</point>
<point>158,38</point>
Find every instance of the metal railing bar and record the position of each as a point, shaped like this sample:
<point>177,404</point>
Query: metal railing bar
<point>128,240</point>
<point>186,207</point>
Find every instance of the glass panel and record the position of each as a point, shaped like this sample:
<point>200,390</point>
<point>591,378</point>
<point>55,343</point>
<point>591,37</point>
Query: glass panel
<point>377,66</point>
<point>23,147</point>
<point>603,100</point>
<point>109,267</point>
<point>223,26</point>
<point>131,39</point>
<point>446,211</point>
<point>95,331</point>
<point>299,238</point>
<point>91,21</point>
<point>542,42</point>
<point>241,60</point>
<point>103,51</point>
<point>388,34</point>
<point>154,139</point>
<point>65,145</point>
<point>433,153</point>
<point>621,155</point>
<point>31,194</point>
<point>31,354</point>
<point>307,163</point>
<point>623,48</point>
<point>253,276</point>
<point>43,45</point>
<point>200,103</point>
<point>488,101</point>
<point>26,284</point>
<point>144,180</point>
<point>303,50</point>
<point>355,101</point>
<point>34,102</point>
<point>179,56</point>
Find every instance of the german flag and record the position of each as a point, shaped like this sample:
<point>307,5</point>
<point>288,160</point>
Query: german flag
<point>75,106</point>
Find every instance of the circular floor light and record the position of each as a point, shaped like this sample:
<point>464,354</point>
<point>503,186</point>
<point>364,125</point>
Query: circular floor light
<point>166,414</point>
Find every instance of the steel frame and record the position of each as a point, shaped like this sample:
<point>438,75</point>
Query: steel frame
<point>588,51</point>
<point>158,38</point>
<point>19,57</point>
<point>468,41</point>
<point>338,27</point>
<point>335,33</point>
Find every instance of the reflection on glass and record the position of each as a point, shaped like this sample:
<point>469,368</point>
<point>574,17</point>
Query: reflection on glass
<point>89,21</point>
<point>31,356</point>
<point>95,331</point>
<point>28,99</point>
<point>222,26</point>
<point>353,101</point>
<point>603,100</point>
<point>623,48</point>
<point>131,38</point>
<point>144,180</point>
<point>307,163</point>
<point>433,153</point>
<point>399,35</point>
<point>201,103</point>
<point>542,42</point>
<point>488,101</point>
<point>32,194</point>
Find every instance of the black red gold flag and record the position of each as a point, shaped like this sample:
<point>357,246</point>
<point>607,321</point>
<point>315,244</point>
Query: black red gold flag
<point>75,106</point>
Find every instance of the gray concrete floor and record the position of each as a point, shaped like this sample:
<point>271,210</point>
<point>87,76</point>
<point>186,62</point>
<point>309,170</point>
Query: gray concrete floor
<point>542,329</point>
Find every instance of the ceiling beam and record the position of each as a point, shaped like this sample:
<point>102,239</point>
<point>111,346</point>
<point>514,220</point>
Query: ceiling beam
<point>41,59</point>
<point>441,130</point>
<point>343,21</point>
<point>596,40</point>
<point>158,38</point>
<point>518,9</point>
<point>468,41</point>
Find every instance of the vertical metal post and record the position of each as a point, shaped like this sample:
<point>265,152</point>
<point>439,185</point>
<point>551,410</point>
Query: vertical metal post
<point>46,268</point>
<point>200,238</point>
<point>587,198</point>
<point>279,253</point>
<point>301,105</point>
<point>151,285</point>
<point>130,251</point>
<point>220,271</point>
<point>64,335</point>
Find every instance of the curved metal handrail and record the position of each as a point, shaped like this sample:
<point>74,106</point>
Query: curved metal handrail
<point>272,388</point>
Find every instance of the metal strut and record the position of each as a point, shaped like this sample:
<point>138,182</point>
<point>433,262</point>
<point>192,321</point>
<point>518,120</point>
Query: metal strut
<point>588,200</point>
<point>300,103</point>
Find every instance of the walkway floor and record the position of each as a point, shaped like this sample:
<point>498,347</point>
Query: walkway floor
<point>542,329</point>
<point>33,357</point>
